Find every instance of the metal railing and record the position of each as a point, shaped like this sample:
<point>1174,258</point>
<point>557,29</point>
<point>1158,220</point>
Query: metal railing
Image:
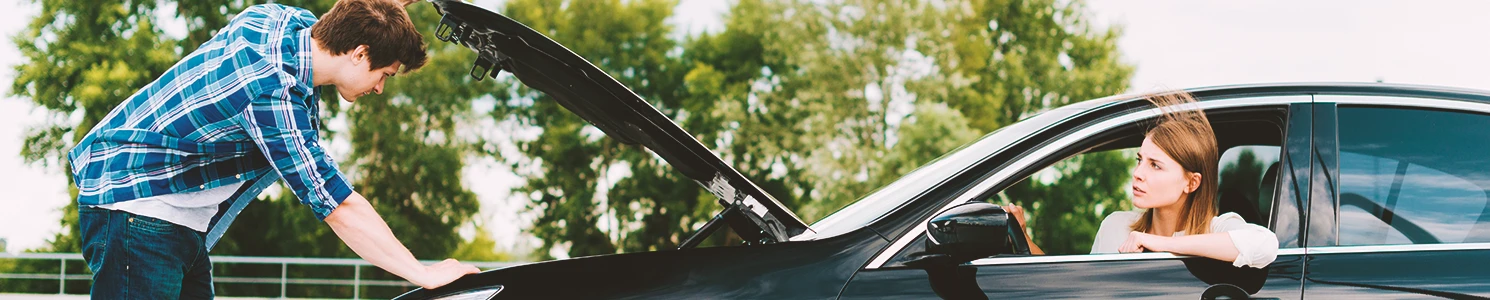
<point>356,282</point>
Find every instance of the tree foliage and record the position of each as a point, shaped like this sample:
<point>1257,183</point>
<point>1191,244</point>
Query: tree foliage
<point>569,165</point>
<point>816,102</point>
<point>1066,202</point>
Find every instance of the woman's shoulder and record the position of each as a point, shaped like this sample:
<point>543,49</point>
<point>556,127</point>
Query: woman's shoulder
<point>1230,221</point>
<point>1113,231</point>
<point>1123,217</point>
<point>1228,216</point>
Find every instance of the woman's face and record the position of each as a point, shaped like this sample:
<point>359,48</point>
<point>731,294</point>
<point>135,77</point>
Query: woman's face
<point>1159,181</point>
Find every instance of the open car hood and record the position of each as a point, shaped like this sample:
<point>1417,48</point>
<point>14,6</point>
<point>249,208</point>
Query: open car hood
<point>542,64</point>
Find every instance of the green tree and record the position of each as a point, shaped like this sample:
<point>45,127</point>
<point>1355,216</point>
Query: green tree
<point>843,73</point>
<point>1006,60</point>
<point>817,102</point>
<point>568,164</point>
<point>1067,201</point>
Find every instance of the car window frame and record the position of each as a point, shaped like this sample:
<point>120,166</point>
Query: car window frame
<point>1003,176</point>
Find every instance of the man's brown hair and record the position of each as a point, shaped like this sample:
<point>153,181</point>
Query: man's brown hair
<point>382,25</point>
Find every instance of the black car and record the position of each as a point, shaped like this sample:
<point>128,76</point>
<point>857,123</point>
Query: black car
<point>1374,190</point>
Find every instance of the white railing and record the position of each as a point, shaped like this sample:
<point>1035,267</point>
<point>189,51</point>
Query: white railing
<point>356,282</point>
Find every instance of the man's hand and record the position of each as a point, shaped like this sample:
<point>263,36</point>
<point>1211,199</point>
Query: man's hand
<point>442,273</point>
<point>360,227</point>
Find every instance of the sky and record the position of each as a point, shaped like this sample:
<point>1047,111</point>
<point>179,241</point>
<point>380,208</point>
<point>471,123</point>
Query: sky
<point>1173,44</point>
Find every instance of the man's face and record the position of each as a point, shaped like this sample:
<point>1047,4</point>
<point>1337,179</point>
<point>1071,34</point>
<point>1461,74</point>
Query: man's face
<point>359,81</point>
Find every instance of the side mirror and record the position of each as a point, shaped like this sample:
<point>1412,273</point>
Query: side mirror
<point>971,231</point>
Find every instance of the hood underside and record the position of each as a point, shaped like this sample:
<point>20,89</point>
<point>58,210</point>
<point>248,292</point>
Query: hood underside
<point>542,64</point>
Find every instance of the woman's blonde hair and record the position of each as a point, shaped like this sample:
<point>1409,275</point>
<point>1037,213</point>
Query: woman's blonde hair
<point>1184,133</point>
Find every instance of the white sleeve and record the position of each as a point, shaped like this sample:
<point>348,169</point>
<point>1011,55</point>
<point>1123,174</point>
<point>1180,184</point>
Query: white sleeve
<point>1113,232</point>
<point>1256,246</point>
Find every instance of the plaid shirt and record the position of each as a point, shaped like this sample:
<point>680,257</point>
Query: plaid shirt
<point>241,108</point>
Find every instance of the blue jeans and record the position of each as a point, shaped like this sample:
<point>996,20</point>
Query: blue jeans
<point>138,257</point>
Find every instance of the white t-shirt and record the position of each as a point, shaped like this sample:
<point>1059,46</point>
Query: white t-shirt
<point>1256,246</point>
<point>193,210</point>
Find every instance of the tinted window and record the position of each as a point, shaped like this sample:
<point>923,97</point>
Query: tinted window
<point>1413,176</point>
<point>1248,180</point>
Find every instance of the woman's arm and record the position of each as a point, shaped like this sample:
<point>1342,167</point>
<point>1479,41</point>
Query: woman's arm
<point>1234,240</point>
<point>1018,213</point>
<point>1216,246</point>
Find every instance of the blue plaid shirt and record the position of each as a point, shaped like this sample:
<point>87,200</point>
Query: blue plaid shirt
<point>241,108</point>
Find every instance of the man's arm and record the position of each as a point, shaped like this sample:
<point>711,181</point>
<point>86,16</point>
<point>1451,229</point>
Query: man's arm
<point>363,230</point>
<point>360,227</point>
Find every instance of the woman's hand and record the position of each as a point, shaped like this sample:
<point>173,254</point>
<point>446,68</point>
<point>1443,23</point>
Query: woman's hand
<point>1018,213</point>
<point>1138,242</point>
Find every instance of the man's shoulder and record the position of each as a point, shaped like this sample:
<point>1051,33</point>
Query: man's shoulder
<point>271,10</point>
<point>271,33</point>
<point>268,15</point>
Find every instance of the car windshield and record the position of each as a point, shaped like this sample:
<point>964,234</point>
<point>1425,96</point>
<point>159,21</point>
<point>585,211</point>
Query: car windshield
<point>884,200</point>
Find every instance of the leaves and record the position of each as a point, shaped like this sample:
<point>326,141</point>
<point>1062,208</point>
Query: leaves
<point>1070,199</point>
<point>816,102</point>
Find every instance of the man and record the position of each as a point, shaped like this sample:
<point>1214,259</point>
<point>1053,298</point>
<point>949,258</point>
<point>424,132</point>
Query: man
<point>163,175</point>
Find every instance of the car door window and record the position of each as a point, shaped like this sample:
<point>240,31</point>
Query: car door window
<point>1413,176</point>
<point>1066,201</point>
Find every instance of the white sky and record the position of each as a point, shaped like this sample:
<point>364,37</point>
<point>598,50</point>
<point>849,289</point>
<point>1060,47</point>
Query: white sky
<point>1176,44</point>
<point>1183,44</point>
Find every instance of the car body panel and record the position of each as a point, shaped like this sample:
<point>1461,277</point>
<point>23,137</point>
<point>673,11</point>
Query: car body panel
<point>1138,278</point>
<point>812,269</point>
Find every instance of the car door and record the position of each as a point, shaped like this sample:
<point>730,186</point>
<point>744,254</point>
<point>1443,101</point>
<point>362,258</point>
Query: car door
<point>1134,275</point>
<point>1404,197</point>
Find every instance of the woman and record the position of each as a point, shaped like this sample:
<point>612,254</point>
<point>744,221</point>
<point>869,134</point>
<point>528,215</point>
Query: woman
<point>1175,183</point>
